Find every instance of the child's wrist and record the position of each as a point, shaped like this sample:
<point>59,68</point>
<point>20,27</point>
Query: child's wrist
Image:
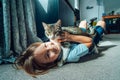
<point>70,36</point>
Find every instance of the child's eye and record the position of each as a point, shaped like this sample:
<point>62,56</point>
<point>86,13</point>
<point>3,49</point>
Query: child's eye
<point>45,45</point>
<point>47,54</point>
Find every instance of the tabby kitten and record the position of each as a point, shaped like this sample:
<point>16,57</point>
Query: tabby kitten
<point>53,30</point>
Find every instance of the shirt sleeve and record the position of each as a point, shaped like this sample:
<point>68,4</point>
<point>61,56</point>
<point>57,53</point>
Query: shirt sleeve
<point>77,51</point>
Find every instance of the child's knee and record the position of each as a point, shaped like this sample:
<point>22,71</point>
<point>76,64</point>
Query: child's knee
<point>101,23</point>
<point>83,24</point>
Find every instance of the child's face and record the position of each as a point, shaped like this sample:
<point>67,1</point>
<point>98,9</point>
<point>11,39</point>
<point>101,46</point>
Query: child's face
<point>47,52</point>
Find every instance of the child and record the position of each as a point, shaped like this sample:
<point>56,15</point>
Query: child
<point>40,57</point>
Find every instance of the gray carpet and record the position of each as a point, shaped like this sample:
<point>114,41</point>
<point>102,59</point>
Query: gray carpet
<point>105,66</point>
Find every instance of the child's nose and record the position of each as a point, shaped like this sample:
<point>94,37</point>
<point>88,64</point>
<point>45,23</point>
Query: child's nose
<point>49,48</point>
<point>49,45</point>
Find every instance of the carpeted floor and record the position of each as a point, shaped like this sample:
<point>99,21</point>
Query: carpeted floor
<point>105,66</point>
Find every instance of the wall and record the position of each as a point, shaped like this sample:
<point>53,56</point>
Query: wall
<point>111,5</point>
<point>117,11</point>
<point>96,11</point>
<point>99,7</point>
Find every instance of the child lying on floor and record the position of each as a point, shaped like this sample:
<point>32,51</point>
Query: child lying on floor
<point>40,57</point>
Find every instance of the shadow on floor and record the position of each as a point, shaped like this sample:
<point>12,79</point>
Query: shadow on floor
<point>94,55</point>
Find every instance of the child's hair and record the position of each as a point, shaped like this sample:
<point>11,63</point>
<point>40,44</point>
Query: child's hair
<point>27,62</point>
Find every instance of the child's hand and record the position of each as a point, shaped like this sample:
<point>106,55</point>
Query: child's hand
<point>64,36</point>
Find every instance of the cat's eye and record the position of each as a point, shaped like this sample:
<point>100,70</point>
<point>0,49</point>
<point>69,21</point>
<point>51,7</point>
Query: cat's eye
<point>49,32</point>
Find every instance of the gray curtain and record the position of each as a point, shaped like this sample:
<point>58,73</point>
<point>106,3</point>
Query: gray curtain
<point>19,28</point>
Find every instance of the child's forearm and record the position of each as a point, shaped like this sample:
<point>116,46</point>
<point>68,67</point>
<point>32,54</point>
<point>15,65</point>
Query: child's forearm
<point>80,39</point>
<point>76,38</point>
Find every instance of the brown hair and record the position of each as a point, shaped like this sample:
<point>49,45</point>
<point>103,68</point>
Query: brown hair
<point>27,62</point>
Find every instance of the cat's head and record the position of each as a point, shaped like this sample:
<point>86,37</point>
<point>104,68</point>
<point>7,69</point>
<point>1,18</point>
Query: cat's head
<point>51,29</point>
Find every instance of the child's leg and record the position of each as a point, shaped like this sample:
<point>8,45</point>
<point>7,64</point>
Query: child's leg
<point>101,23</point>
<point>83,25</point>
<point>100,27</point>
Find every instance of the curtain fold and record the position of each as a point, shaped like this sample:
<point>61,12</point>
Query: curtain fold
<point>1,31</point>
<point>15,28</point>
<point>6,25</point>
<point>21,24</point>
<point>19,28</point>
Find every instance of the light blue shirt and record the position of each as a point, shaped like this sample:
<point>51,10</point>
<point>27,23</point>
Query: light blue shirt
<point>77,51</point>
<point>73,53</point>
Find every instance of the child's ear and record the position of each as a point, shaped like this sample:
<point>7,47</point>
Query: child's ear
<point>44,25</point>
<point>59,22</point>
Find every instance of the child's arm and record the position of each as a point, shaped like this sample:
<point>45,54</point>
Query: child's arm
<point>76,38</point>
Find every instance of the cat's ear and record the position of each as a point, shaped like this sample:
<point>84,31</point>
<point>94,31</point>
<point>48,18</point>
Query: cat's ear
<point>58,22</point>
<point>44,25</point>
